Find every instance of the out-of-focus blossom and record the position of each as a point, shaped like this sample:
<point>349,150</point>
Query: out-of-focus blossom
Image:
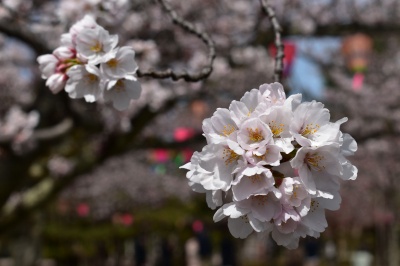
<point>60,166</point>
<point>83,209</point>
<point>17,127</point>
<point>125,219</point>
<point>110,11</point>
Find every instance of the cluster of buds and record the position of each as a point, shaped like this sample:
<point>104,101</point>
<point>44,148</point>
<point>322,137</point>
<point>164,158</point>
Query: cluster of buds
<point>90,65</point>
<point>273,164</point>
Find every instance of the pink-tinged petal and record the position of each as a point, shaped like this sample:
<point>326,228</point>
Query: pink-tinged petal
<point>240,227</point>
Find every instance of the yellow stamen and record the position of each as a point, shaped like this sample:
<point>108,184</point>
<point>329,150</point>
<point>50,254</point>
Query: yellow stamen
<point>309,129</point>
<point>229,156</point>
<point>295,188</point>
<point>261,199</point>
<point>119,86</point>
<point>98,47</point>
<point>275,128</point>
<point>255,178</point>
<point>313,162</point>
<point>91,78</point>
<point>229,129</point>
<point>113,63</point>
<point>255,134</point>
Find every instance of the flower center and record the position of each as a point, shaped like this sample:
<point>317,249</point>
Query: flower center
<point>229,156</point>
<point>255,134</point>
<point>294,195</point>
<point>245,218</point>
<point>313,205</point>
<point>113,63</point>
<point>260,199</point>
<point>261,157</point>
<point>314,162</point>
<point>275,128</point>
<point>119,86</point>
<point>310,129</point>
<point>229,129</point>
<point>255,178</point>
<point>98,47</point>
<point>91,78</point>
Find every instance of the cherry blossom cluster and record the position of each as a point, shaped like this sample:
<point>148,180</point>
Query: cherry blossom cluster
<point>273,164</point>
<point>90,65</point>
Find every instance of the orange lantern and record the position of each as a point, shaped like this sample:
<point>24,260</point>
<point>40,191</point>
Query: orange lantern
<point>356,50</point>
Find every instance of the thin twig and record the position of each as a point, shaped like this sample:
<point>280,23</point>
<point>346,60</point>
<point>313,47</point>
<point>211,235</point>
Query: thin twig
<point>189,27</point>
<point>43,134</point>
<point>53,132</point>
<point>278,41</point>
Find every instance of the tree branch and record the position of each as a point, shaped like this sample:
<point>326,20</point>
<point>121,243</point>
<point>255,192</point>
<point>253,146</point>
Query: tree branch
<point>189,27</point>
<point>278,41</point>
<point>14,28</point>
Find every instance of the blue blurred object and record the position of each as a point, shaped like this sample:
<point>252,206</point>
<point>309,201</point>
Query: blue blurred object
<point>306,76</point>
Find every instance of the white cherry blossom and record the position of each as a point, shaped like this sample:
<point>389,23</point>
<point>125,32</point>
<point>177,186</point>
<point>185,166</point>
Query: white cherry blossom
<point>47,65</point>
<point>311,127</point>
<point>213,167</point>
<point>84,81</point>
<point>56,82</point>
<point>295,194</point>
<point>311,160</point>
<point>243,109</point>
<point>254,134</point>
<point>121,64</point>
<point>252,181</point>
<point>219,127</point>
<point>96,45</point>
<point>120,92</point>
<point>273,93</point>
<point>89,65</point>
<point>240,166</point>
<point>279,118</point>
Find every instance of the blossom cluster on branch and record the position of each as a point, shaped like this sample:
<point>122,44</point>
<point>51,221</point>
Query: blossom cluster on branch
<point>90,65</point>
<point>278,160</point>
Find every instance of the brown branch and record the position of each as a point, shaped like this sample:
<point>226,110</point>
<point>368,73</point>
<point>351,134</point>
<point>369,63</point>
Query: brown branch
<point>183,74</point>
<point>278,41</point>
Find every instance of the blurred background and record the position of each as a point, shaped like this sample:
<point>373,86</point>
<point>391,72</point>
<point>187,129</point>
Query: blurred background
<point>84,184</point>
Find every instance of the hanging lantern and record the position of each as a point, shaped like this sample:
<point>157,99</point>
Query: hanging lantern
<point>356,50</point>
